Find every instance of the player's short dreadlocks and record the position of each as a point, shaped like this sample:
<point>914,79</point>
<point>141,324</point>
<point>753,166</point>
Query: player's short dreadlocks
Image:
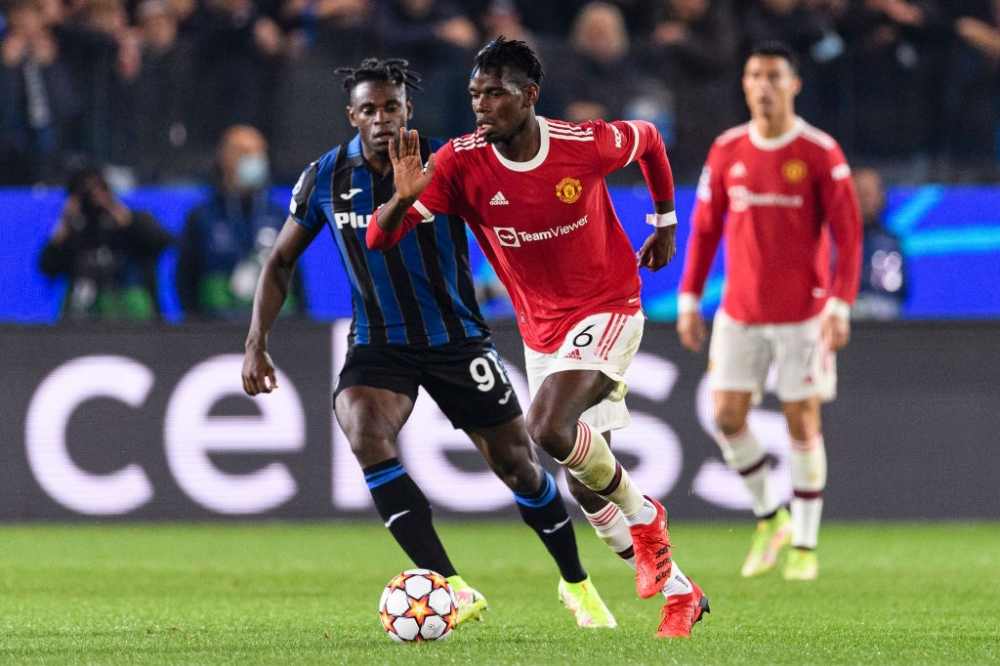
<point>391,70</point>
<point>513,54</point>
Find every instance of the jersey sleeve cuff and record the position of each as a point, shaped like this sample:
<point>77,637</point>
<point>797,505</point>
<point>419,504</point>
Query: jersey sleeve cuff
<point>837,307</point>
<point>687,302</point>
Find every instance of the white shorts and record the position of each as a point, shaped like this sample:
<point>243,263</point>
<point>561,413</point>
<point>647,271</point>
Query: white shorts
<point>741,355</point>
<point>605,342</point>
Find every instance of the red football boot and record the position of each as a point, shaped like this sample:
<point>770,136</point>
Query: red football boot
<point>681,612</point>
<point>651,544</point>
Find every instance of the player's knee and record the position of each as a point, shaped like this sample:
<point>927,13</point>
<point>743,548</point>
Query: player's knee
<point>730,419</point>
<point>521,476</point>
<point>554,437</point>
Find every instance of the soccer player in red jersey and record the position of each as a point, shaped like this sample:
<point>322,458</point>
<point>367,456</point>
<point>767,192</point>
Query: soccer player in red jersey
<point>779,189</point>
<point>533,192</point>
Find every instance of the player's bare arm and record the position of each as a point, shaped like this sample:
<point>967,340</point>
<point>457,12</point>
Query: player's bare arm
<point>272,290</point>
<point>410,177</point>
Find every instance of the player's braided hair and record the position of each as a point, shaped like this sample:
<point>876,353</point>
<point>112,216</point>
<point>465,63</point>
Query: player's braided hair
<point>392,70</point>
<point>510,53</point>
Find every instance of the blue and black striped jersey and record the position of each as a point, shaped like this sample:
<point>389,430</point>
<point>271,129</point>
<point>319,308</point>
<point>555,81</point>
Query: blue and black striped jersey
<point>419,292</point>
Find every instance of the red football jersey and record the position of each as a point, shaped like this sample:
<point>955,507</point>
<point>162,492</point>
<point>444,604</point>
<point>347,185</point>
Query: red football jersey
<point>781,199</point>
<point>547,225</point>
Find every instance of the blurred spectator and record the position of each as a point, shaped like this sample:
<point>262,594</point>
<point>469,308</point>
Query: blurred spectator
<point>981,34</point>
<point>548,18</point>
<point>147,86</point>
<point>811,28</point>
<point>162,99</point>
<point>897,56</point>
<point>107,251</point>
<point>105,57</point>
<point>428,32</point>
<point>238,51</point>
<point>227,238</point>
<point>38,98</point>
<point>340,30</point>
<point>321,35</point>
<point>883,267</point>
<point>437,38</point>
<point>972,87</point>
<point>502,18</point>
<point>597,77</point>
<point>693,49</point>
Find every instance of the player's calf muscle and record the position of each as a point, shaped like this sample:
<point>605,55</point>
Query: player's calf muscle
<point>371,429</point>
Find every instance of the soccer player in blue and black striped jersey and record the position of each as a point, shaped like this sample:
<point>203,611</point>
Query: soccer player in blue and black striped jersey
<point>416,323</point>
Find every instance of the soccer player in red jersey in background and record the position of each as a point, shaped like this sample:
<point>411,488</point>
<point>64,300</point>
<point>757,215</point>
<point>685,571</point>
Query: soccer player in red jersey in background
<point>533,192</point>
<point>778,188</point>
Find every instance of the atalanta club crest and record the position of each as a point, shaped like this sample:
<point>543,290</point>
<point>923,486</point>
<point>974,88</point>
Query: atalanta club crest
<point>568,190</point>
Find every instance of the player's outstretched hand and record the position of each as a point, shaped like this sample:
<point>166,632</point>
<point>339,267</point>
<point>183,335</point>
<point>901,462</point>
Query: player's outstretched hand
<point>835,331</point>
<point>657,251</point>
<point>410,175</point>
<point>691,328</point>
<point>258,372</point>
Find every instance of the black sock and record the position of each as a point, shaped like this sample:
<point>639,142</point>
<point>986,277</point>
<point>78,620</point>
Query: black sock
<point>545,513</point>
<point>407,514</point>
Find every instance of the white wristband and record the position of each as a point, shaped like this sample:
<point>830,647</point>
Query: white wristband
<point>662,219</point>
<point>687,302</point>
<point>837,308</point>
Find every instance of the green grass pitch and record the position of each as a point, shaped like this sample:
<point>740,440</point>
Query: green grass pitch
<point>306,593</point>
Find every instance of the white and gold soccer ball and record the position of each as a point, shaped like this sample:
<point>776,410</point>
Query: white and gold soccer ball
<point>418,605</point>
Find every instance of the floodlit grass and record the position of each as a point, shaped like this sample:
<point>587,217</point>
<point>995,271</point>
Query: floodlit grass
<point>290,594</point>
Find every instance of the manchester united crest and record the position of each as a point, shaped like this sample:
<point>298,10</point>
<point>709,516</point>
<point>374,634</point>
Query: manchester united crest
<point>568,190</point>
<point>794,171</point>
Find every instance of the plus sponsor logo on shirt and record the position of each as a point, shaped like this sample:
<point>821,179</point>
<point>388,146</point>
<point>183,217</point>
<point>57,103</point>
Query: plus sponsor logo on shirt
<point>353,220</point>
<point>511,237</point>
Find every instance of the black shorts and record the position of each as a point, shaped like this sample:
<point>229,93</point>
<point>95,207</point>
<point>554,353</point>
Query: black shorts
<point>466,379</point>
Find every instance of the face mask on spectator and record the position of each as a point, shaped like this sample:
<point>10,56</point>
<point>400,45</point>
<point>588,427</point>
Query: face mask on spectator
<point>252,172</point>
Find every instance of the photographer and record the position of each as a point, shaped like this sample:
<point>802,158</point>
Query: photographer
<point>107,251</point>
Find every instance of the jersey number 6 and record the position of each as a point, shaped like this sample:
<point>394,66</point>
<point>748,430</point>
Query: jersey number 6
<point>583,338</point>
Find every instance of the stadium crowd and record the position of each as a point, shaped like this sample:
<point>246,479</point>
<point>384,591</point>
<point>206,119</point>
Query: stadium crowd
<point>149,86</point>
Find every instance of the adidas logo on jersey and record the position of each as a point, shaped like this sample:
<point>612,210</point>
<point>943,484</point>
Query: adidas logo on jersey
<point>738,170</point>
<point>499,199</point>
<point>574,354</point>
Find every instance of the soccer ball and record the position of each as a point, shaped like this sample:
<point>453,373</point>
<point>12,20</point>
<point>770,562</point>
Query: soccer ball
<point>418,605</point>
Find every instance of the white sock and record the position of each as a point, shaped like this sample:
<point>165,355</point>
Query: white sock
<point>611,528</point>
<point>744,455</point>
<point>678,583</point>
<point>808,481</point>
<point>644,516</point>
<point>593,464</point>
